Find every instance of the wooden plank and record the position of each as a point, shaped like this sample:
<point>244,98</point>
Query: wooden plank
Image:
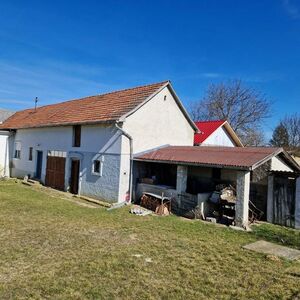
<point>55,172</point>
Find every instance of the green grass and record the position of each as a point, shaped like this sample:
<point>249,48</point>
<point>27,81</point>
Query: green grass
<point>56,249</point>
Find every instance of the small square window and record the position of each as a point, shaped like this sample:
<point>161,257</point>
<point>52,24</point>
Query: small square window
<point>30,153</point>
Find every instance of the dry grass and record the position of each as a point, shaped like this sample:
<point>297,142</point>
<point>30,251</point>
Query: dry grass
<point>55,249</point>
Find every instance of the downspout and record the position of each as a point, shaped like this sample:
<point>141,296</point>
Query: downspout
<point>131,159</point>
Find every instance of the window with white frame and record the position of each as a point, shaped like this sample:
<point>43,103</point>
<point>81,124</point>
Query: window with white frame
<point>97,168</point>
<point>17,150</point>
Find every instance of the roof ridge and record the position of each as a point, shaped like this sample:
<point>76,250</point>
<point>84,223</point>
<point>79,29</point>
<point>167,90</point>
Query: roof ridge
<point>104,94</point>
<point>101,107</point>
<point>211,121</point>
<point>133,88</point>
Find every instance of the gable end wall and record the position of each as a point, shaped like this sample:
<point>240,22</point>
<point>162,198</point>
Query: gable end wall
<point>158,123</point>
<point>219,138</point>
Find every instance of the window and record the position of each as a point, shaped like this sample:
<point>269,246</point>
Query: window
<point>17,150</point>
<point>30,153</point>
<point>97,167</point>
<point>76,135</point>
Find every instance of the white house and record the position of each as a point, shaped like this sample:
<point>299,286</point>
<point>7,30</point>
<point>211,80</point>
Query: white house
<point>4,157</point>
<point>101,146</point>
<point>216,133</point>
<point>85,146</point>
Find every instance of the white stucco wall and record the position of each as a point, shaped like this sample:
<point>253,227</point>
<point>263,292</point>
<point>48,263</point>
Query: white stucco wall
<point>4,154</point>
<point>219,138</point>
<point>96,140</point>
<point>278,165</point>
<point>158,123</point>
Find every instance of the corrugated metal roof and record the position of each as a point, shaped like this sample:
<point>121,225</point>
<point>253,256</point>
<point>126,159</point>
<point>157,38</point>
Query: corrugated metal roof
<point>235,157</point>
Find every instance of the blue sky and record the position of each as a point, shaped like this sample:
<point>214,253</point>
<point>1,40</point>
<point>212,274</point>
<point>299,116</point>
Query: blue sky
<point>59,50</point>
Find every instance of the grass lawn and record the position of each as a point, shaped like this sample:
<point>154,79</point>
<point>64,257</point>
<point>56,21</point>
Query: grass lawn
<point>56,249</point>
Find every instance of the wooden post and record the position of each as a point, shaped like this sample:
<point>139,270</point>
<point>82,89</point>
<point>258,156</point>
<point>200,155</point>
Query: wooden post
<point>242,203</point>
<point>181,179</point>
<point>270,199</point>
<point>297,204</point>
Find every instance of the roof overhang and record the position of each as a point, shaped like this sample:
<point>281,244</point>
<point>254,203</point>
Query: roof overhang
<point>232,134</point>
<point>207,165</point>
<point>290,160</point>
<point>106,122</point>
<point>5,132</point>
<point>250,167</point>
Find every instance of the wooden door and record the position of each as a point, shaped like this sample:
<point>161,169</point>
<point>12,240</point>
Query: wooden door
<point>55,172</point>
<point>284,201</point>
<point>39,164</point>
<point>74,182</point>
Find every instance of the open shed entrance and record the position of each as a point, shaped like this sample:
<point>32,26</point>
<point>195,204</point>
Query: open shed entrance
<point>55,172</point>
<point>226,184</point>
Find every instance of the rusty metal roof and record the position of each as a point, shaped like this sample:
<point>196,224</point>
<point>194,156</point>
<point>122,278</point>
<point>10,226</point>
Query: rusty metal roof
<point>231,157</point>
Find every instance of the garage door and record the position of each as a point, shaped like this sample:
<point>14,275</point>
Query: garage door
<point>55,172</point>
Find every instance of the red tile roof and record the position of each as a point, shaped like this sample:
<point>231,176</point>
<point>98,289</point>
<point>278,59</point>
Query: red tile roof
<point>101,108</point>
<point>238,157</point>
<point>206,128</point>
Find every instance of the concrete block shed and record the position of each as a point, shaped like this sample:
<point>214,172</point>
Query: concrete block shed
<point>189,174</point>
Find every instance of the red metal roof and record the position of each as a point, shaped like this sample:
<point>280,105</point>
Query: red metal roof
<point>100,108</point>
<point>239,157</point>
<point>206,128</point>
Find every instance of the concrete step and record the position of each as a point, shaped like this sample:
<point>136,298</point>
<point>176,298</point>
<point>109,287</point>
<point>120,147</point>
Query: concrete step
<point>96,201</point>
<point>27,183</point>
<point>33,181</point>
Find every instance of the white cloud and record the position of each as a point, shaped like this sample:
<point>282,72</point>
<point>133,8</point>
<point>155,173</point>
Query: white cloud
<point>211,75</point>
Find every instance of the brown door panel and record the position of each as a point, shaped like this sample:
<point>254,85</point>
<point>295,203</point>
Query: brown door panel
<point>55,172</point>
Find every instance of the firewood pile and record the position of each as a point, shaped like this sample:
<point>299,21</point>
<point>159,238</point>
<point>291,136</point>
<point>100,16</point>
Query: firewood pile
<point>160,205</point>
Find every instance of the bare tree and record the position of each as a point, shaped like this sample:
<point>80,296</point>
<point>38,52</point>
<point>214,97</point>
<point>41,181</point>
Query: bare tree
<point>243,107</point>
<point>292,124</point>
<point>287,133</point>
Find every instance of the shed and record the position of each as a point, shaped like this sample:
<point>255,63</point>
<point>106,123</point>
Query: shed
<point>187,171</point>
<point>216,133</point>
